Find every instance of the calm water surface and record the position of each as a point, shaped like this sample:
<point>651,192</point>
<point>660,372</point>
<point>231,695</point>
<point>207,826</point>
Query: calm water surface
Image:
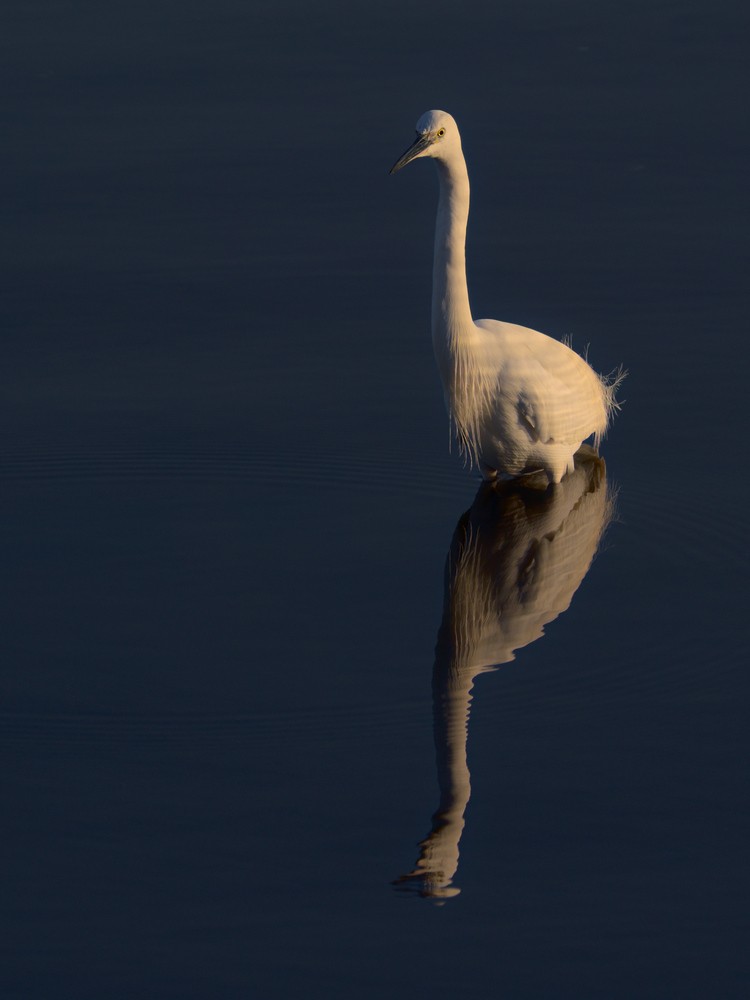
<point>249,597</point>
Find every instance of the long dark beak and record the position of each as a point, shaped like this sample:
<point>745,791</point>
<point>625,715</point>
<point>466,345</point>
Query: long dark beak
<point>420,143</point>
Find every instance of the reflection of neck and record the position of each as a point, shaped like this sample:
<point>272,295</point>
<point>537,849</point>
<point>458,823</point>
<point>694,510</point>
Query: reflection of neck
<point>451,694</point>
<point>451,705</point>
<point>452,683</point>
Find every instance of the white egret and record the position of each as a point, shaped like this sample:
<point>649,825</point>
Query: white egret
<point>519,401</point>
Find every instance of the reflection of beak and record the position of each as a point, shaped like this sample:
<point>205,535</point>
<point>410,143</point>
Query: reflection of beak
<point>420,143</point>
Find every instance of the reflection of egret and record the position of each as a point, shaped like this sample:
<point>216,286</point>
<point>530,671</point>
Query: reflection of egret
<point>516,560</point>
<point>519,401</point>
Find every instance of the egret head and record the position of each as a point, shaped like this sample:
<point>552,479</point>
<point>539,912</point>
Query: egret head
<point>437,136</point>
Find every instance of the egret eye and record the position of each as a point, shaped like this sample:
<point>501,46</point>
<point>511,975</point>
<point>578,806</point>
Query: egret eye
<point>440,133</point>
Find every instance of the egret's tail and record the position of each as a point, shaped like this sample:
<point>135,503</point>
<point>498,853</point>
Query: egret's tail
<point>610,384</point>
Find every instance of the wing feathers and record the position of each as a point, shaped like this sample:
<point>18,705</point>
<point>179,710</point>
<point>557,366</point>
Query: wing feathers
<point>559,398</point>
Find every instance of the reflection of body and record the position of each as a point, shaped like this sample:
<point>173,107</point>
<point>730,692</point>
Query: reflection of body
<point>516,560</point>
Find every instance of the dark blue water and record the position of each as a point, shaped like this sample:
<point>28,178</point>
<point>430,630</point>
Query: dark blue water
<point>226,503</point>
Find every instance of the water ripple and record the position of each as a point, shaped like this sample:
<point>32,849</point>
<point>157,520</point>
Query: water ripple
<point>333,470</point>
<point>101,731</point>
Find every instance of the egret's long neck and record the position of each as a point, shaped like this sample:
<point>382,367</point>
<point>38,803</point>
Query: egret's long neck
<point>450,296</point>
